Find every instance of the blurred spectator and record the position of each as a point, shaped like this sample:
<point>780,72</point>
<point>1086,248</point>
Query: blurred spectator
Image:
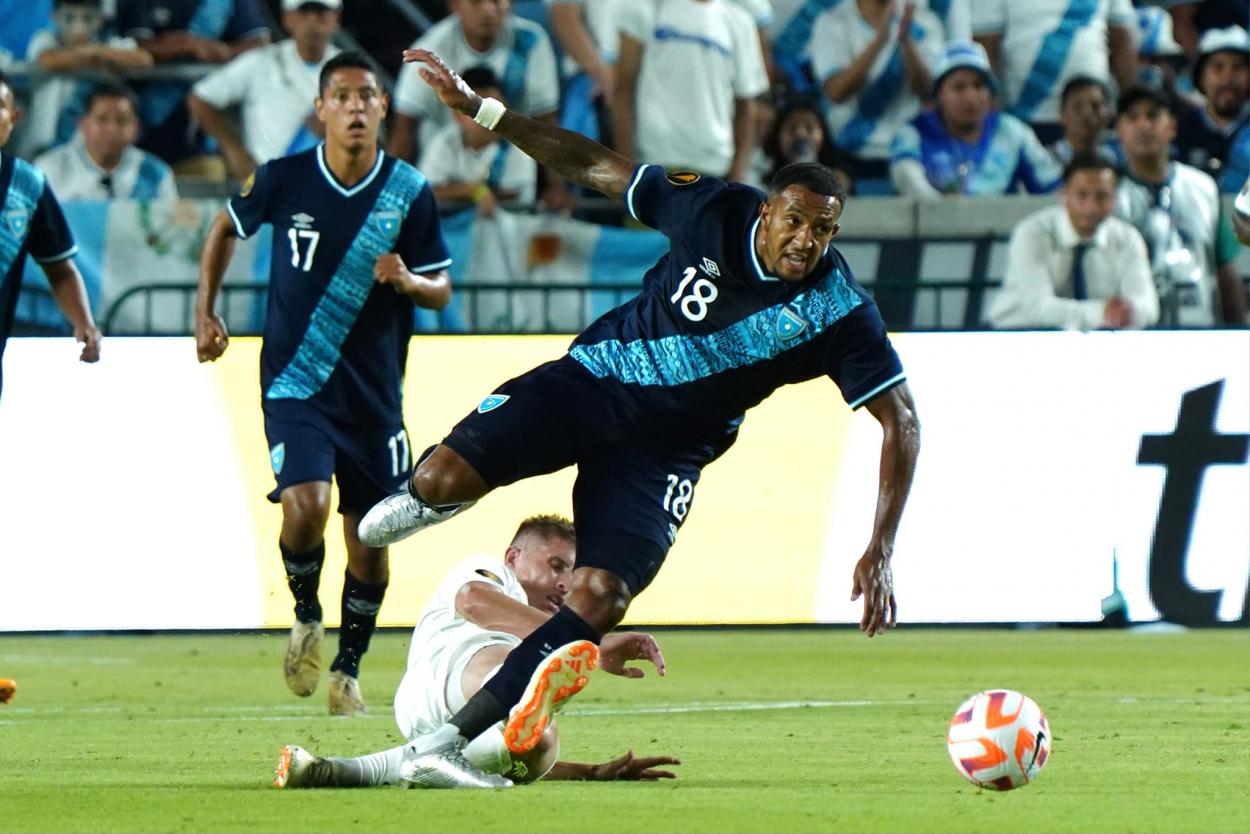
<point>964,146</point>
<point>1206,133</point>
<point>791,33</point>
<point>587,33</point>
<point>1036,46</point>
<point>1177,209</point>
<point>956,17</point>
<point>73,45</point>
<point>186,31</point>
<point>761,11</point>
<point>1161,61</point>
<point>875,59</point>
<point>1085,114</point>
<point>468,165</point>
<point>1190,20</point>
<point>101,162</point>
<point>22,19</point>
<point>1075,265</point>
<point>274,86</point>
<point>686,79</point>
<point>798,135</point>
<point>482,32</point>
<point>1241,213</point>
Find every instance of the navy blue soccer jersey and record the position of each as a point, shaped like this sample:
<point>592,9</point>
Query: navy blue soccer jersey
<point>30,221</point>
<point>335,338</point>
<point>712,334</point>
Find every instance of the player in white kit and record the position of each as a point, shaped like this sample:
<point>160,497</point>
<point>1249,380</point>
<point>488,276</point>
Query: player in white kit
<point>479,613</point>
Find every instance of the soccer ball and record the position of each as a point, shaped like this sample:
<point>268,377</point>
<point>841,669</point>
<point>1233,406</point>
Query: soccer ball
<point>999,739</point>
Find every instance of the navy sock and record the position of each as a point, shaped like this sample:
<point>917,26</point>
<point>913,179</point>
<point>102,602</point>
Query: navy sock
<point>361,601</point>
<point>499,694</point>
<point>303,576</point>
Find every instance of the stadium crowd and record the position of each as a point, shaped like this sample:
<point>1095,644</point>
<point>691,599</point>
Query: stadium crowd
<point>922,98</point>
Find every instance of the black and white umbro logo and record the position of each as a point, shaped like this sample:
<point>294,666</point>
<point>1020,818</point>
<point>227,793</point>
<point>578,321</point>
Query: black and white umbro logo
<point>711,267</point>
<point>302,220</point>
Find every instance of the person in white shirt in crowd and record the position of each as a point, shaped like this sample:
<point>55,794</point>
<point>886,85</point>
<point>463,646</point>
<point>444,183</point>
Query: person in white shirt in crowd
<point>1211,132</point>
<point>1178,210</point>
<point>479,612</point>
<point>274,86</point>
<point>1036,46</point>
<point>586,31</point>
<point>1161,61</point>
<point>1075,265</point>
<point>72,46</point>
<point>1085,110</point>
<point>518,50</point>
<point>963,146</point>
<point>101,161</point>
<point>875,59</point>
<point>468,165</point>
<point>686,80</point>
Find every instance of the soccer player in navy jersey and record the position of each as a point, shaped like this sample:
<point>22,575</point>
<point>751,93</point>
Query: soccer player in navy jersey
<point>751,296</point>
<point>31,222</point>
<point>356,244</point>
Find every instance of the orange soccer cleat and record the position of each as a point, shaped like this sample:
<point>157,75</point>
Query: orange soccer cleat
<point>8,688</point>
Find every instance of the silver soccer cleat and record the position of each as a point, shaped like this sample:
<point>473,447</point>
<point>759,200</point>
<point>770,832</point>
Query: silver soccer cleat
<point>398,516</point>
<point>445,767</point>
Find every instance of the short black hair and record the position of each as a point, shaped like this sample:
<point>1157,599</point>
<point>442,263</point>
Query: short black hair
<point>812,176</point>
<point>1078,82</point>
<point>1139,93</point>
<point>110,88</point>
<point>481,77</point>
<point>1089,161</point>
<point>346,60</point>
<point>547,526</point>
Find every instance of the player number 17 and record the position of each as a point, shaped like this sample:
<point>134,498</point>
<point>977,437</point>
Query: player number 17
<point>295,236</point>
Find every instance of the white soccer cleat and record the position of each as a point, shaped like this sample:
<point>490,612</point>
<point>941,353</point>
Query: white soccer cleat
<point>297,768</point>
<point>563,674</point>
<point>445,767</point>
<point>302,664</point>
<point>398,516</point>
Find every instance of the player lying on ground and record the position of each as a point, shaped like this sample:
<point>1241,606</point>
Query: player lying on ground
<point>750,297</point>
<point>478,614</point>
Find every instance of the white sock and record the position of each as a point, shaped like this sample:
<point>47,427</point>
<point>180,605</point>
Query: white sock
<point>446,734</point>
<point>370,771</point>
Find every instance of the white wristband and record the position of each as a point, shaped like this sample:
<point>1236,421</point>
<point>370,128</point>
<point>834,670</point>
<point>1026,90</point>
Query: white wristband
<point>490,112</point>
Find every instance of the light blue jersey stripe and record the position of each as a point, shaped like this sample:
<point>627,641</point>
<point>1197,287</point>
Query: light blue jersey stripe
<point>318,354</point>
<point>23,195</point>
<point>797,33</point>
<point>148,183</point>
<point>761,336</point>
<point>1051,58</point>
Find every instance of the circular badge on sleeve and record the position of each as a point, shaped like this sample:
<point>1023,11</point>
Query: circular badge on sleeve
<point>683,177</point>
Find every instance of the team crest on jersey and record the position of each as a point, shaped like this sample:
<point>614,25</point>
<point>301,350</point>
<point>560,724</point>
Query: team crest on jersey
<point>387,223</point>
<point>493,577</point>
<point>789,324</point>
<point>247,184</point>
<point>683,177</point>
<point>277,457</point>
<point>492,402</point>
<point>16,220</point>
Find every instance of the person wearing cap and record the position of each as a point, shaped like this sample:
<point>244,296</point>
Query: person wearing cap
<point>875,59</point>
<point>1190,18</point>
<point>963,146</point>
<point>1162,62</point>
<point>1085,112</point>
<point>1036,46</point>
<point>1075,265</point>
<point>1177,209</point>
<point>1206,134</point>
<point>185,31</point>
<point>273,86</point>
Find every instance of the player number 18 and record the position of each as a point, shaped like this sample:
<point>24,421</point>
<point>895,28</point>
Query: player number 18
<point>702,293</point>
<point>677,496</point>
<point>295,236</point>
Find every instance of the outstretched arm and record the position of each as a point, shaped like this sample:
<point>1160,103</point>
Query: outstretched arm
<point>569,154</point>
<point>626,767</point>
<point>900,445</point>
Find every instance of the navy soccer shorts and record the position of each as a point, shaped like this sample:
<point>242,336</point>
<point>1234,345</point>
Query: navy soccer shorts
<point>635,485</point>
<point>305,445</point>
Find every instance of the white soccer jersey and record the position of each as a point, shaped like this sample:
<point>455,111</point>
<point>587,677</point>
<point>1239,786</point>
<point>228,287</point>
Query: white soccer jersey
<point>445,159</point>
<point>865,124</point>
<point>73,175</point>
<point>1047,42</point>
<point>274,88</point>
<point>522,57</point>
<point>697,58</point>
<point>443,642</point>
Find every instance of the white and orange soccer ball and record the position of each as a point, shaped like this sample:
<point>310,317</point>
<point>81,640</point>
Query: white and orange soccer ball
<point>999,739</point>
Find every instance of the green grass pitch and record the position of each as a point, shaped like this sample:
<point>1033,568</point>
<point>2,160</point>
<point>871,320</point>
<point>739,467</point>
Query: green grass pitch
<point>179,733</point>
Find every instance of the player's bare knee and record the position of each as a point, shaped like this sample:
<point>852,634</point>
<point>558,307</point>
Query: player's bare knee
<point>305,511</point>
<point>443,478</point>
<point>599,597</point>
